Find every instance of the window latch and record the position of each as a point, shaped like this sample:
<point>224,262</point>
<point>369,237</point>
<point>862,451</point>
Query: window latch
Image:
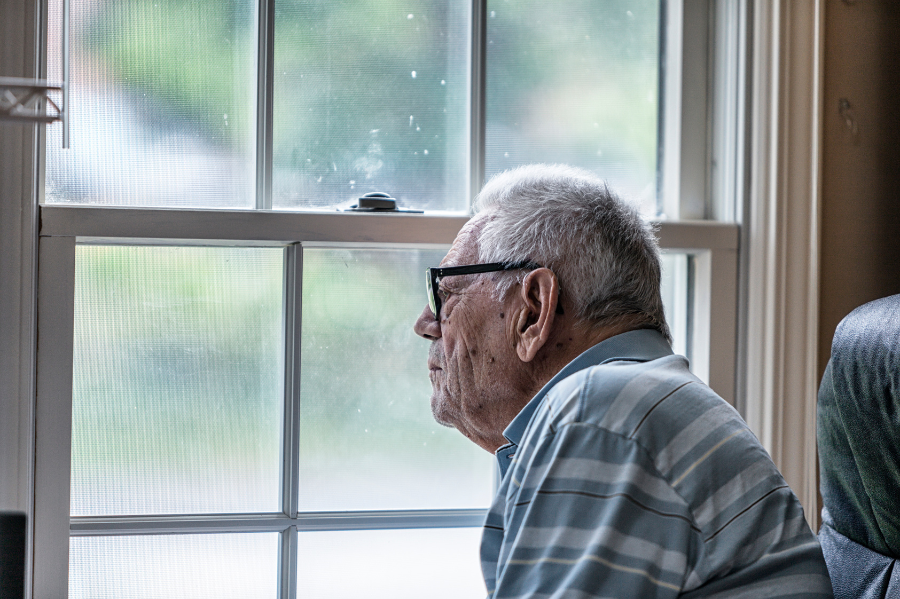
<point>378,201</point>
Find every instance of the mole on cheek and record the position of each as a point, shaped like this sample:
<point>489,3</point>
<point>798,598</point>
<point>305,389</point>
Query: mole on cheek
<point>501,315</point>
<point>558,345</point>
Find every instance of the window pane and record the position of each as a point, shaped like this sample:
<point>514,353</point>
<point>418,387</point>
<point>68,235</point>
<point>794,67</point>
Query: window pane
<point>221,566</point>
<point>675,299</point>
<point>177,395</point>
<point>371,96</point>
<point>367,437</point>
<point>575,83</point>
<point>162,106</point>
<point>390,564</point>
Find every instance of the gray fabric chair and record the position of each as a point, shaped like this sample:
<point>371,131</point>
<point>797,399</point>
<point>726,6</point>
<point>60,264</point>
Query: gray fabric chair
<point>858,430</point>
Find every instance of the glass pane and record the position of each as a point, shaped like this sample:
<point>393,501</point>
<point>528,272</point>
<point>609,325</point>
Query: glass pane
<point>367,437</point>
<point>390,564</point>
<point>221,566</point>
<point>177,394</point>
<point>371,96</point>
<point>575,82</point>
<point>162,104</point>
<point>675,299</point>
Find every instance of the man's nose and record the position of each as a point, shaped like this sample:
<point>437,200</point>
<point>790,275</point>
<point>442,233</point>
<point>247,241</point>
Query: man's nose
<point>427,325</point>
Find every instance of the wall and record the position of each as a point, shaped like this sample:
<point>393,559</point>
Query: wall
<point>860,210</point>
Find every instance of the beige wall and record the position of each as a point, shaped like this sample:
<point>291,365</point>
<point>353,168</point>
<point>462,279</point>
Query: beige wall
<point>860,226</point>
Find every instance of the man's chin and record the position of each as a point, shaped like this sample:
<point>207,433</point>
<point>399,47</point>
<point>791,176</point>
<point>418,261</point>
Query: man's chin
<point>439,412</point>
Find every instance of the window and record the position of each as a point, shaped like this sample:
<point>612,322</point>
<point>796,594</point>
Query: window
<point>236,395</point>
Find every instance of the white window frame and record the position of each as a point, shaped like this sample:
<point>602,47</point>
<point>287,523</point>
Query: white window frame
<point>778,377</point>
<point>773,379</point>
<point>63,227</point>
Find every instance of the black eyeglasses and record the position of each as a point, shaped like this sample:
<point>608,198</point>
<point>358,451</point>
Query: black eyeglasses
<point>435,274</point>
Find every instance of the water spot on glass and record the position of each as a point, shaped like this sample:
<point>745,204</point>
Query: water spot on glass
<point>443,82</point>
<point>493,13</point>
<point>319,180</point>
<point>418,128</point>
<point>416,153</point>
<point>367,430</point>
<point>409,16</point>
<point>225,116</point>
<point>596,125</point>
<point>506,154</point>
<point>413,74</point>
<point>410,121</point>
<point>426,152</point>
<point>334,166</point>
<point>630,14</point>
<point>599,152</point>
<point>587,37</point>
<point>352,182</point>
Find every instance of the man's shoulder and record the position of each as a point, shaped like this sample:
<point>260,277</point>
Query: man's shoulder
<point>690,434</point>
<point>627,397</point>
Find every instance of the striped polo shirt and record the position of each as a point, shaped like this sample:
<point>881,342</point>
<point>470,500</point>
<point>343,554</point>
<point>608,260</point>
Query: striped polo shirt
<point>626,476</point>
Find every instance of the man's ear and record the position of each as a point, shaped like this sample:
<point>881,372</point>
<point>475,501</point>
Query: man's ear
<point>538,297</point>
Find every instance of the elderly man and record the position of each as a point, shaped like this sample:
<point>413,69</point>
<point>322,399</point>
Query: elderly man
<point>623,475</point>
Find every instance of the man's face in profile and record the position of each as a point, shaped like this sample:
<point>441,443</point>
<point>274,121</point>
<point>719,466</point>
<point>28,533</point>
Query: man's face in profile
<point>472,357</point>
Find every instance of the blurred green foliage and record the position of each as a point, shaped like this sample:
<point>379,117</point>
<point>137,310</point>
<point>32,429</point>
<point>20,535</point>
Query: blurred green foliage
<point>375,95</point>
<point>575,82</point>
<point>371,96</point>
<point>178,377</point>
<point>194,60</point>
<point>368,438</point>
<point>178,384</point>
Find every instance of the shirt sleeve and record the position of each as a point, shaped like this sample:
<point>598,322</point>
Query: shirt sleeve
<point>602,524</point>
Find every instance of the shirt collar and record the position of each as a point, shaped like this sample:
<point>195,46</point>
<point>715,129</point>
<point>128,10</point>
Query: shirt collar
<point>641,345</point>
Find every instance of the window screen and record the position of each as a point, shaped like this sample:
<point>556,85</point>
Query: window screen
<point>177,394</point>
<point>162,104</point>
<point>575,82</point>
<point>371,97</point>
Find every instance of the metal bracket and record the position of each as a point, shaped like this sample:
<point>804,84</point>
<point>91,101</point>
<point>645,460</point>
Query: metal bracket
<point>23,100</point>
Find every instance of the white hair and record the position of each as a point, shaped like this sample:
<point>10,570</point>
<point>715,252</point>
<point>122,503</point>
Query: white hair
<point>604,254</point>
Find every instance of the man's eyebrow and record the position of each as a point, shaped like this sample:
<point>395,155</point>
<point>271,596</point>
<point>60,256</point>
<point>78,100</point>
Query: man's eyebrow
<point>448,282</point>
